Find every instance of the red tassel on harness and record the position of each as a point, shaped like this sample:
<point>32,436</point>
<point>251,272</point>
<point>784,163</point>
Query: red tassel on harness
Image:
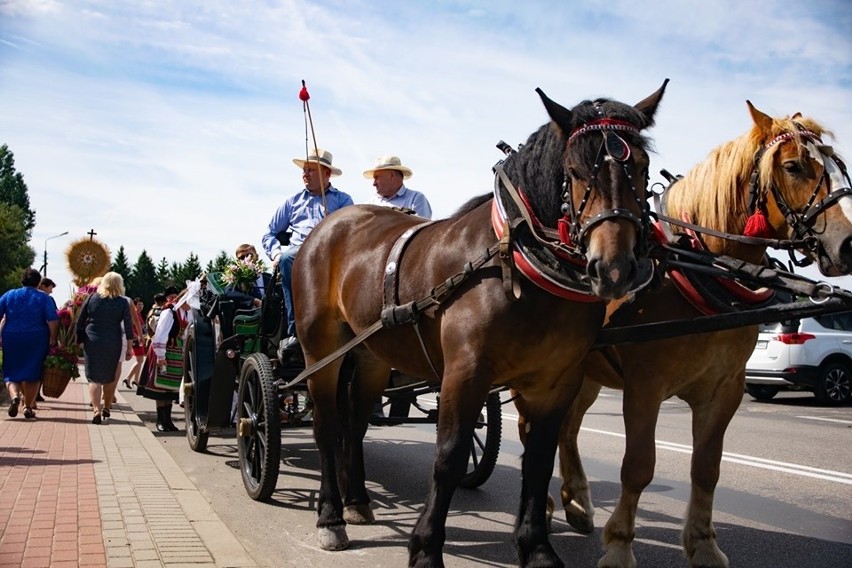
<point>757,225</point>
<point>563,225</point>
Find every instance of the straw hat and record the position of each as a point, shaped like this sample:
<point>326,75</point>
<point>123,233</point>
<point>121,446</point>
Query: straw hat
<point>389,163</point>
<point>325,158</point>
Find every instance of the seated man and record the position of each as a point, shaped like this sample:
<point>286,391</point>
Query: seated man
<point>388,177</point>
<point>299,214</point>
<point>251,297</point>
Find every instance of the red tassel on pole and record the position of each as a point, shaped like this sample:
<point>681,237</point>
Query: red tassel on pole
<point>758,226</point>
<point>303,94</point>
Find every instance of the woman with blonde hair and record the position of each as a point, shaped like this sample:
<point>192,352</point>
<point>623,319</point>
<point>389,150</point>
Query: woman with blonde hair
<point>99,331</point>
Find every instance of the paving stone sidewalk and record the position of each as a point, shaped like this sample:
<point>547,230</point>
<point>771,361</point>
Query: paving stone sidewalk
<point>77,494</point>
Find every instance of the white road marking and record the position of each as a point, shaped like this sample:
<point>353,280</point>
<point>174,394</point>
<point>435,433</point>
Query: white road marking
<point>785,467</point>
<point>825,419</point>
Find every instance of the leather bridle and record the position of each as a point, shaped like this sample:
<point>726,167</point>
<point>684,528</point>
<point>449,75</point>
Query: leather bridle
<point>612,147</point>
<point>802,222</point>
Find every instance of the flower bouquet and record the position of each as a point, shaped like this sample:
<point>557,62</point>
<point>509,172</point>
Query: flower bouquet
<point>60,365</point>
<point>242,273</point>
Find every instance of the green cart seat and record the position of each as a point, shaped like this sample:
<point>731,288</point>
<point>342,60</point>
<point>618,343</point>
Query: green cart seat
<point>247,323</point>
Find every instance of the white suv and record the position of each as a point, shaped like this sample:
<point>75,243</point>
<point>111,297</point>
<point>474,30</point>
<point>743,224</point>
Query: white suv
<point>812,354</point>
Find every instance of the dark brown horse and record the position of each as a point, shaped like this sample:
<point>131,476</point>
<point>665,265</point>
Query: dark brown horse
<point>587,168</point>
<point>804,193</point>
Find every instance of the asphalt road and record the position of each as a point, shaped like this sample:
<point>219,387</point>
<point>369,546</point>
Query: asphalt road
<point>784,498</point>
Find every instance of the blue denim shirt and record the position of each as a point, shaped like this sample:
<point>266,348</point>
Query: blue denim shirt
<point>409,199</point>
<point>300,213</point>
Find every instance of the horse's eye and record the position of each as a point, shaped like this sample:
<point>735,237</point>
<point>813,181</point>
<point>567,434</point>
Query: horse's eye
<point>572,173</point>
<point>792,167</point>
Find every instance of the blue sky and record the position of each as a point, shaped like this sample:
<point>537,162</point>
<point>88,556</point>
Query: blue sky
<point>170,126</point>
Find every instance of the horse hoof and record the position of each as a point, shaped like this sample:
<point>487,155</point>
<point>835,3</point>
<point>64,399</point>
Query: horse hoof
<point>581,523</point>
<point>577,516</point>
<point>333,538</point>
<point>359,514</point>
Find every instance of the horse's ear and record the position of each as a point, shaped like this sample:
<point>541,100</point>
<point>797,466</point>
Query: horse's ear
<point>761,120</point>
<point>795,116</point>
<point>648,105</point>
<point>558,113</point>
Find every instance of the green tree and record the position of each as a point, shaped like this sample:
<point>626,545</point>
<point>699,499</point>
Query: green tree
<point>190,270</point>
<point>15,254</point>
<point>143,280</point>
<point>121,264</point>
<point>13,190</point>
<point>219,263</point>
<point>163,277</point>
<point>175,274</point>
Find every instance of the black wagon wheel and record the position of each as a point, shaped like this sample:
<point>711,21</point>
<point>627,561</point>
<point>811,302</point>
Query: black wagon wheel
<point>258,427</point>
<point>195,434</point>
<point>485,446</point>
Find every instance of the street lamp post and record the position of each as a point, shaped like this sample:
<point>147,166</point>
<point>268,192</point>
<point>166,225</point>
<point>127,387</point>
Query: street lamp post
<point>44,266</point>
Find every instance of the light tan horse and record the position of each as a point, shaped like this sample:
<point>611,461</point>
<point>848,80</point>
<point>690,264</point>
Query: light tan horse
<point>707,370</point>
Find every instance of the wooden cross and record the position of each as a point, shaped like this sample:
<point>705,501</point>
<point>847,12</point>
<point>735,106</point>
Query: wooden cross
<point>91,234</point>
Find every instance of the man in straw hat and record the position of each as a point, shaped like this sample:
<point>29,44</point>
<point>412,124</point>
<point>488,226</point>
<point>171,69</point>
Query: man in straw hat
<point>299,214</point>
<point>388,175</point>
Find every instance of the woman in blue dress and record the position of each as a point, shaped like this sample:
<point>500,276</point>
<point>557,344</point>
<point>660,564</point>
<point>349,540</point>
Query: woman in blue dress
<point>30,325</point>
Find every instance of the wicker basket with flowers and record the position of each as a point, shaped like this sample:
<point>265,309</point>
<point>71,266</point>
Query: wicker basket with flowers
<point>60,365</point>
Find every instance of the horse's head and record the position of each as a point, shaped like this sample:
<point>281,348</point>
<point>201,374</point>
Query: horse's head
<point>604,182</point>
<point>805,188</point>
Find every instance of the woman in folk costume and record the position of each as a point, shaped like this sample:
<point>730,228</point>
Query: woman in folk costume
<point>163,372</point>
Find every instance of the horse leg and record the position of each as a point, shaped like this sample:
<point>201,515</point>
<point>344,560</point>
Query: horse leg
<point>637,470</point>
<point>460,404</point>
<point>521,407</point>
<point>576,496</point>
<point>710,419</point>
<point>531,539</point>
<point>366,388</point>
<point>331,527</point>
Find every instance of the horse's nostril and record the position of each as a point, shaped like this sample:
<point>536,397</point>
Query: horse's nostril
<point>845,250</point>
<point>592,268</point>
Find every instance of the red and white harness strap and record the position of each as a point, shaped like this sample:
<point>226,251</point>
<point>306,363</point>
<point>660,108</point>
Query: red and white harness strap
<point>527,267</point>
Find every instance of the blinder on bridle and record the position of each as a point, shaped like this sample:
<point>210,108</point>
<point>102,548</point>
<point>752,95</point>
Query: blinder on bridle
<point>612,147</point>
<point>802,222</point>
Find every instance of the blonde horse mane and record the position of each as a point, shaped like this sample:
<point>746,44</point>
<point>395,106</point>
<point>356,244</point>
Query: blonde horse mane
<point>715,193</point>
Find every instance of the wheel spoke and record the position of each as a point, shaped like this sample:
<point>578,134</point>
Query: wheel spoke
<point>478,442</point>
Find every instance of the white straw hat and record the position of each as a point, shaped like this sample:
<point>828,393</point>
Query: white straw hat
<point>324,159</point>
<point>389,163</point>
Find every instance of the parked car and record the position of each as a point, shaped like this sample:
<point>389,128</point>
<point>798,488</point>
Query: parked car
<point>811,354</point>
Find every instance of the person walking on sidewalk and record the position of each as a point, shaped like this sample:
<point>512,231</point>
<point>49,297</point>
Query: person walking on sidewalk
<point>137,346</point>
<point>99,330</point>
<point>30,325</point>
<point>163,371</point>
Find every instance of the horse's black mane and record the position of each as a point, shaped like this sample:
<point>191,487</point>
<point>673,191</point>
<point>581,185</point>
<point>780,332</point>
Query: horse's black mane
<point>537,167</point>
<point>472,204</point>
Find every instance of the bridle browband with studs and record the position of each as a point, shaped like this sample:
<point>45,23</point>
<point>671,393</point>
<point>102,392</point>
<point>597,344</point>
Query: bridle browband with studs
<point>801,222</point>
<point>615,148</point>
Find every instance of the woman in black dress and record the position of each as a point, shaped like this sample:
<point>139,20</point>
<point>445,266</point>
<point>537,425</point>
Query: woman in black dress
<point>99,331</point>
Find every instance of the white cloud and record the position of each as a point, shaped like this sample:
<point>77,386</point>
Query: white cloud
<point>170,126</point>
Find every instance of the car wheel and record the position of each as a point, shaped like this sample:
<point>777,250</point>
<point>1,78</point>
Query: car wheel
<point>834,385</point>
<point>762,392</point>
